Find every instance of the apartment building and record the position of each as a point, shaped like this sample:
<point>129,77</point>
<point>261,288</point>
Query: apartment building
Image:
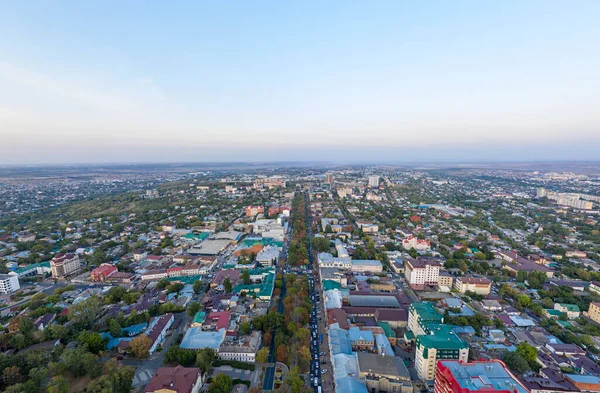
<point>478,285</point>
<point>420,273</point>
<point>63,265</point>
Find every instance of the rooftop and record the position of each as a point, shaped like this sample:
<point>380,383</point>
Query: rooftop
<point>485,376</point>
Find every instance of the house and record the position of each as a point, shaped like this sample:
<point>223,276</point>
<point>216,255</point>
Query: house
<point>157,329</point>
<point>175,380</point>
<point>572,310</point>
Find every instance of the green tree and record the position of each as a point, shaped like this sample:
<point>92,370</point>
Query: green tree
<point>222,383</point>
<point>516,362</point>
<point>262,355</point>
<point>227,285</point>
<point>92,341</point>
<point>244,328</point>
<point>84,313</point>
<point>162,283</point>
<point>58,384</point>
<point>193,308</point>
<point>115,328</point>
<point>528,352</point>
<point>246,276</point>
<point>198,286</point>
<point>205,359</point>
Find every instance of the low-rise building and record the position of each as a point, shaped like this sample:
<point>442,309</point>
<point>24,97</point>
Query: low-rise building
<point>102,272</point>
<point>383,373</point>
<point>175,380</point>
<point>572,310</point>
<point>478,285</point>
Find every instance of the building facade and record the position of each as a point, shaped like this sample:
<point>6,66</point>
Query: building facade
<point>421,273</point>
<point>63,265</point>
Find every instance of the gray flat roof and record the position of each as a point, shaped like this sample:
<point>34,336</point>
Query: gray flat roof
<point>373,363</point>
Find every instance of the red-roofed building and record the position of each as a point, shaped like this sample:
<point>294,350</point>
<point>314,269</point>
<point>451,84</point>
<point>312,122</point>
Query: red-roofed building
<point>174,271</point>
<point>102,272</point>
<point>415,219</point>
<point>217,320</point>
<point>175,380</point>
<point>251,211</point>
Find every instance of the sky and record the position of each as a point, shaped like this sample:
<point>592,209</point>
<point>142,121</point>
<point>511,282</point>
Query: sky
<point>352,81</point>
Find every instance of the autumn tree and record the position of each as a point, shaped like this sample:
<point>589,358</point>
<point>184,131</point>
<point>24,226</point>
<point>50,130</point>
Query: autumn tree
<point>140,346</point>
<point>282,353</point>
<point>262,356</point>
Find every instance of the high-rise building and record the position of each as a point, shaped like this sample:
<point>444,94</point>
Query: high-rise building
<point>420,273</point>
<point>453,376</point>
<point>373,181</point>
<point>442,343</point>
<point>64,265</point>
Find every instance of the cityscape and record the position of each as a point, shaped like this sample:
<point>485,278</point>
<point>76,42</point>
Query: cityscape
<point>300,196</point>
<point>307,278</point>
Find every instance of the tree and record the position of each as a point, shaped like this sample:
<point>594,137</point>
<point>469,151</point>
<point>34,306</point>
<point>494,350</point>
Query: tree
<point>328,229</point>
<point>92,341</point>
<point>38,375</point>
<point>246,276</point>
<point>58,385</point>
<point>305,358</point>
<point>245,328</point>
<point>523,300</point>
<point>175,287</point>
<point>115,328</point>
<point>140,346</point>
<point>528,352</point>
<point>262,355</point>
<point>205,359</point>
<point>221,384</point>
<point>85,313</point>
<point>162,283</point>
<point>197,286</point>
<point>516,362</point>
<point>78,362</point>
<point>193,308</point>
<point>281,353</point>
<point>12,375</point>
<point>227,285</point>
<point>98,258</point>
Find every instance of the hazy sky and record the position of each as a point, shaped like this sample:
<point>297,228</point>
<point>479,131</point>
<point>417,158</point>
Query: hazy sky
<point>122,81</point>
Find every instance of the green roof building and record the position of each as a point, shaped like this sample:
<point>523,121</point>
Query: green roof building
<point>198,319</point>
<point>421,315</point>
<point>443,344</point>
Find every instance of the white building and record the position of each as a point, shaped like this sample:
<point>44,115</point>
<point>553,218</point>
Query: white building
<point>325,259</point>
<point>64,265</point>
<point>9,283</point>
<point>268,256</point>
<point>418,244</point>
<point>366,266</point>
<point>373,181</point>
<point>421,272</point>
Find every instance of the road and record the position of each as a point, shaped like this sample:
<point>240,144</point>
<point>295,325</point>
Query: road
<point>269,379</point>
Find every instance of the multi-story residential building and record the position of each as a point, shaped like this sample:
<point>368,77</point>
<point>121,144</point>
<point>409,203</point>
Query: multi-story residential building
<point>478,285</point>
<point>445,280</point>
<point>366,266</point>
<point>252,211</point>
<point>453,376</point>
<point>594,312</point>
<point>421,315</point>
<point>373,181</point>
<point>63,265</point>
<point>383,373</point>
<point>421,273</point>
<point>269,182</point>
<point>9,283</point>
<point>416,243</point>
<point>441,344</point>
